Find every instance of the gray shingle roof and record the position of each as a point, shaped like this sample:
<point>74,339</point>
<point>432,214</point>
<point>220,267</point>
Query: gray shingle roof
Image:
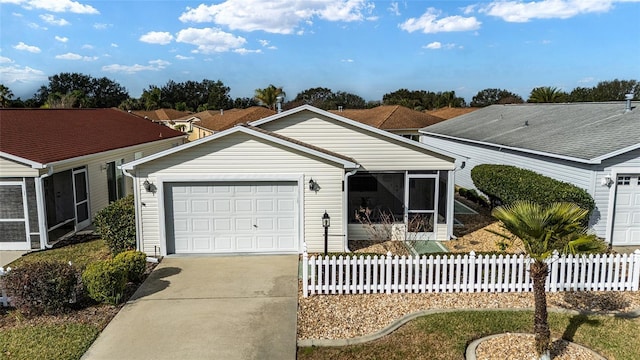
<point>585,131</point>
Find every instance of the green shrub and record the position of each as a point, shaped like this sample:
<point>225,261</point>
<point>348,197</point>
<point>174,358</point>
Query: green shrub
<point>472,195</point>
<point>105,281</point>
<point>506,184</point>
<point>42,287</point>
<point>134,262</point>
<point>116,224</point>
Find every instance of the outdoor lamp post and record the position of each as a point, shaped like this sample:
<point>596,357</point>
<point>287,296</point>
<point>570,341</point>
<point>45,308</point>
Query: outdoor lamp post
<point>326,222</point>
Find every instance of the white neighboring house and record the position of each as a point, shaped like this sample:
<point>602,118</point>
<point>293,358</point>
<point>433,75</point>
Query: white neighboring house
<point>595,146</point>
<point>59,167</point>
<point>265,187</point>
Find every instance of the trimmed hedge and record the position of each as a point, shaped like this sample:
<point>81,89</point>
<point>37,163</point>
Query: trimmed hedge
<point>105,281</point>
<point>42,287</point>
<point>505,184</point>
<point>116,224</point>
<point>134,262</point>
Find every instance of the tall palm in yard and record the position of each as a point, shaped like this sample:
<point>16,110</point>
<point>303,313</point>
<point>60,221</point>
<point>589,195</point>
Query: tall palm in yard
<point>269,95</point>
<point>547,94</point>
<point>543,230</point>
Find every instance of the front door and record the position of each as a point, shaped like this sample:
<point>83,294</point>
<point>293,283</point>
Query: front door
<point>421,206</point>
<point>81,198</point>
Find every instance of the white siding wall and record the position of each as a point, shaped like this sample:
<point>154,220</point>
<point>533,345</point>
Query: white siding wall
<point>585,176</point>
<point>238,154</point>
<point>97,177</point>
<point>372,151</point>
<point>9,168</point>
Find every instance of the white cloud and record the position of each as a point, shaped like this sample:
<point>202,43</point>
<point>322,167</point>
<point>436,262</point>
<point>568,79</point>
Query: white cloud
<point>265,44</point>
<point>52,20</point>
<point>518,11</point>
<point>55,6</point>
<point>16,74</point>
<point>36,26</point>
<point>87,46</point>
<point>114,45</point>
<point>281,17</point>
<point>15,13</point>
<point>243,51</point>
<point>210,40</point>
<point>393,8</point>
<point>101,26</point>
<point>586,80</point>
<point>157,37</point>
<point>181,57</point>
<point>429,23</point>
<point>5,60</point>
<point>72,56</point>
<point>438,45</point>
<point>61,38</point>
<point>24,47</point>
<point>347,60</point>
<point>154,65</point>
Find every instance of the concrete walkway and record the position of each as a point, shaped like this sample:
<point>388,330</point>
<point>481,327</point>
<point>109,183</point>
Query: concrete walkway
<point>236,307</point>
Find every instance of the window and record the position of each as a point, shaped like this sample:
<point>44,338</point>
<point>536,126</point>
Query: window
<point>624,180</point>
<point>115,180</point>
<point>374,196</point>
<point>13,224</point>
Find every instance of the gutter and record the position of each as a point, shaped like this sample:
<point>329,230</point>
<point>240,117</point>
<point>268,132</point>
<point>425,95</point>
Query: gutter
<point>345,208</point>
<point>136,196</point>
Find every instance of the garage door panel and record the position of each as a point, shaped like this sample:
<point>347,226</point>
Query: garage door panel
<point>626,224</point>
<point>241,217</point>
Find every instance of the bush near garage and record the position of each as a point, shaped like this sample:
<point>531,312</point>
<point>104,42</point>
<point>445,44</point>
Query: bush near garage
<point>105,281</point>
<point>44,287</point>
<point>134,262</point>
<point>505,184</point>
<point>116,224</point>
<point>473,196</point>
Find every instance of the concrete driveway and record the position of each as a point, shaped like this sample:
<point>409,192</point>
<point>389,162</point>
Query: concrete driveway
<point>235,307</point>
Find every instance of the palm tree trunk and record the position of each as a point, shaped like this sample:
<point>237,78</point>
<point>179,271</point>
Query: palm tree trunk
<point>539,272</point>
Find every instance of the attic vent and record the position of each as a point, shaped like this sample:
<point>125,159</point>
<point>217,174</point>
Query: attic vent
<point>628,98</point>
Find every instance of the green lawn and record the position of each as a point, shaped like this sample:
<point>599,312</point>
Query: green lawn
<point>446,335</point>
<point>62,337</point>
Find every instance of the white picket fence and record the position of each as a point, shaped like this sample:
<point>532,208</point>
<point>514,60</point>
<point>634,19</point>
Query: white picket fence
<point>465,273</point>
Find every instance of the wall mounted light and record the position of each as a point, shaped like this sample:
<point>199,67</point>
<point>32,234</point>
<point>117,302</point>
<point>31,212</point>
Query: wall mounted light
<point>313,185</point>
<point>148,186</point>
<point>606,180</point>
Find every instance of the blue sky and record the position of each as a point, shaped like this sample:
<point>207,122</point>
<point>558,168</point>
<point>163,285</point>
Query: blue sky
<point>364,47</point>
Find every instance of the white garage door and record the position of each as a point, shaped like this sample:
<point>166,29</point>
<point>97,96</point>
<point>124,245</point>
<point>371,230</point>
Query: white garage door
<point>626,225</point>
<point>244,217</point>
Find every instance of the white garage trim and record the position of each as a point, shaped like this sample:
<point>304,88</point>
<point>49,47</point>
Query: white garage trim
<point>298,178</point>
<point>614,172</point>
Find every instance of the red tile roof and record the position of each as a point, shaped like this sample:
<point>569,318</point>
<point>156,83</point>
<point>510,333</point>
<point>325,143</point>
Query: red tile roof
<point>222,120</point>
<point>161,114</point>
<point>48,135</point>
<point>448,113</point>
<point>390,117</point>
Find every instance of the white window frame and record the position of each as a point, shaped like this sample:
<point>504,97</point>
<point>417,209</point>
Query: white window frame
<point>24,219</point>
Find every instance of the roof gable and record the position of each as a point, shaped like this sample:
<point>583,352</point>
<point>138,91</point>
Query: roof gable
<point>42,136</point>
<point>308,149</point>
<point>584,132</point>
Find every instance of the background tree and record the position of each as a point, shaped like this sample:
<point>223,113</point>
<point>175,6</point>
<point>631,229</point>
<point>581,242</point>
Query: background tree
<point>152,98</point>
<point>5,96</point>
<point>488,97</point>
<point>245,102</point>
<point>581,94</point>
<point>543,230</point>
<point>547,94</point>
<point>615,90</point>
<point>84,90</point>
<point>314,96</point>
<point>268,96</point>
<point>423,100</point>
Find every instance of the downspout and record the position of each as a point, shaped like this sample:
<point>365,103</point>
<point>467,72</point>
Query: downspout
<point>136,196</point>
<point>345,207</point>
<point>42,213</point>
<point>451,195</point>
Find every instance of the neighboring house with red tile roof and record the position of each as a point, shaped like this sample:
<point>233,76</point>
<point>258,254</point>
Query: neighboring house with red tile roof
<point>161,115</point>
<point>59,167</point>
<point>451,112</point>
<point>397,119</point>
<point>211,121</point>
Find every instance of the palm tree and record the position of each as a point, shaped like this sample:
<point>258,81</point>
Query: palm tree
<point>543,230</point>
<point>5,95</point>
<point>547,94</point>
<point>269,95</point>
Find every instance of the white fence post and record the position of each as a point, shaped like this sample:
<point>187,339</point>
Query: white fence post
<point>635,277</point>
<point>305,271</point>
<point>4,299</point>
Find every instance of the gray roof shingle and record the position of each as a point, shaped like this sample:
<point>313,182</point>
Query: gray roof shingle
<point>584,131</point>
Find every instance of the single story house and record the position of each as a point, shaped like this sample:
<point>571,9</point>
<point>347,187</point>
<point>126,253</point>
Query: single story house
<point>396,119</point>
<point>595,146</point>
<point>59,167</point>
<point>265,187</point>
<point>208,122</point>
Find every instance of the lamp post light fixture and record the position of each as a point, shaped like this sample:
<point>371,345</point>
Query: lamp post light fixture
<point>326,222</point>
